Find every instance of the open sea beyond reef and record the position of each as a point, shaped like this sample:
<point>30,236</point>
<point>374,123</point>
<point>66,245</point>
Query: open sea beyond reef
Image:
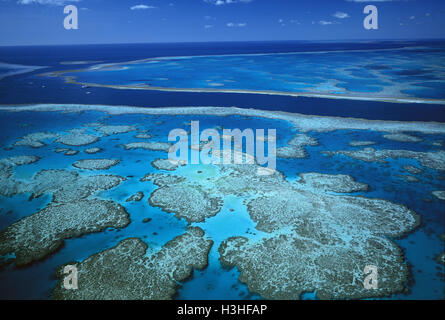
<point>372,112</point>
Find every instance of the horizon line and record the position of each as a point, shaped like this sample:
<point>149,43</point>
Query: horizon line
<point>236,41</point>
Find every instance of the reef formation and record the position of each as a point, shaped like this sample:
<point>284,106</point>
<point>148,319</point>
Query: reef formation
<point>316,234</point>
<point>73,211</point>
<point>152,275</point>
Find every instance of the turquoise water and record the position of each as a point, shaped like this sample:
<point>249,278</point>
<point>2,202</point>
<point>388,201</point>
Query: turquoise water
<point>215,282</point>
<point>368,73</point>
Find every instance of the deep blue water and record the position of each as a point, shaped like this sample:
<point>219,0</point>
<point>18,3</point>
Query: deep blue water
<point>420,247</point>
<point>32,88</point>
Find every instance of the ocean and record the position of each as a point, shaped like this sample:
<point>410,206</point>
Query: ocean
<point>407,175</point>
<point>35,89</point>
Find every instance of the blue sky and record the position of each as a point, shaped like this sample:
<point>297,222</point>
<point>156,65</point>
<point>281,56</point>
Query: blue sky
<point>34,22</point>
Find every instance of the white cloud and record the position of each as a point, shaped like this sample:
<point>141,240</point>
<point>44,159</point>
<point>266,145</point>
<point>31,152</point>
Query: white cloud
<point>47,2</point>
<point>141,7</point>
<point>239,24</point>
<point>223,2</point>
<point>341,15</point>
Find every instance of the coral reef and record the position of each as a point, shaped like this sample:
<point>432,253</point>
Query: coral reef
<point>77,139</point>
<point>432,160</point>
<point>66,151</point>
<point>58,222</point>
<point>186,201</point>
<point>95,164</point>
<point>71,213</point>
<point>413,169</point>
<point>408,178</point>
<point>92,150</point>
<point>168,165</point>
<point>155,146</point>
<point>143,136</point>
<point>296,147</point>
<point>110,130</point>
<point>316,243</point>
<point>355,143</point>
<point>441,258</point>
<point>402,137</point>
<point>34,140</point>
<point>8,185</point>
<point>439,194</point>
<point>161,180</point>
<point>136,197</point>
<point>336,183</point>
<point>152,275</point>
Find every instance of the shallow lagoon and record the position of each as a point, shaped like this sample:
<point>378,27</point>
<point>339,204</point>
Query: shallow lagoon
<point>37,280</point>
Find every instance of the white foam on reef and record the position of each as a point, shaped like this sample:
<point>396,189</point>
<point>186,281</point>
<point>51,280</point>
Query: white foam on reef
<point>303,123</point>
